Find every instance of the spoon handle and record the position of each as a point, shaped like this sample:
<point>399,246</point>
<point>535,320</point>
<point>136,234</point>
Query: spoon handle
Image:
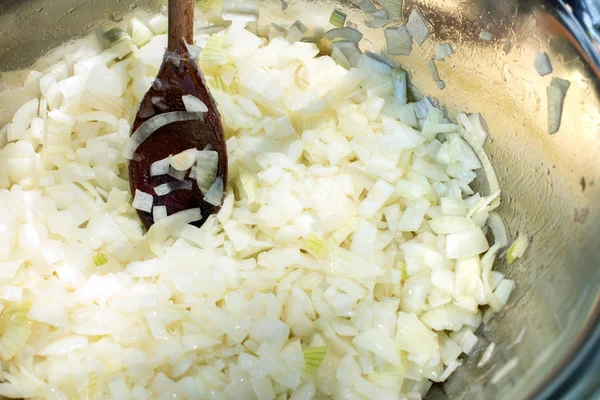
<point>181,24</point>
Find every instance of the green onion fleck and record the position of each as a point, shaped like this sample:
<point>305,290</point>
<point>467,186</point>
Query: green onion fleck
<point>100,259</point>
<point>115,35</point>
<point>313,357</point>
<point>337,18</point>
<point>314,245</point>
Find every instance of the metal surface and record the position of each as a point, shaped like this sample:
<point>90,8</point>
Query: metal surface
<point>551,183</point>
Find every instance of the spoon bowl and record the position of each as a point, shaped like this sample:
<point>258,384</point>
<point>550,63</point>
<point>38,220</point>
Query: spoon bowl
<point>178,76</point>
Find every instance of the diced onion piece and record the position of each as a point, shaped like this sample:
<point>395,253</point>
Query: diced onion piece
<point>140,33</point>
<point>179,175</point>
<point>115,35</point>
<point>345,33</point>
<point>542,64</point>
<point>485,162</point>
<point>207,162</point>
<point>159,213</point>
<point>507,46</point>
<point>193,104</point>
<point>375,199</point>
<point>17,329</point>
<point>556,93</point>
<point>498,229</point>
<point>399,79</point>
<point>350,52</point>
<point>517,249</point>
<point>215,52</point>
<point>337,18</point>
<point>150,126</point>
<point>485,35</point>
<point>166,188</point>
<point>379,19</point>
<point>417,27</point>
<point>143,201</point>
<point>443,50</point>
<point>398,41</point>
<point>159,23</point>
<point>503,291</point>
<point>313,358</point>
<point>433,70</point>
<point>193,51</point>
<point>466,244</point>
<point>184,160</point>
<point>160,167</point>
<point>214,195</point>
<point>160,231</point>
<point>314,245</point>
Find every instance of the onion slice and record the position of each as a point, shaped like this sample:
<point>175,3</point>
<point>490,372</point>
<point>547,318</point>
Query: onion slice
<point>214,195</point>
<point>143,201</point>
<point>184,160</point>
<point>193,104</point>
<point>346,33</point>
<point>153,124</point>
<point>166,188</point>
<point>160,167</point>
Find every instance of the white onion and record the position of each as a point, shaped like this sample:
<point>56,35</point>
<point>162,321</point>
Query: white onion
<point>417,27</point>
<point>166,188</point>
<point>184,160</point>
<point>160,167</point>
<point>214,195</point>
<point>143,201</point>
<point>193,104</point>
<point>345,234</point>
<point>153,124</point>
<point>159,212</point>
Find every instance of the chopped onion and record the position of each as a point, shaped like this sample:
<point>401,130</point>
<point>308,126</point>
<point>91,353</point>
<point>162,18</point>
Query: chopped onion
<point>159,213</point>
<point>443,50</point>
<point>517,249</point>
<point>399,79</point>
<point>193,52</point>
<point>143,201</point>
<point>485,35</point>
<point>313,358</point>
<point>179,175</point>
<point>498,229</point>
<point>349,34</point>
<point>556,93</point>
<point>398,41</point>
<point>507,46</point>
<point>17,329</point>
<point>345,205</point>
<point>166,188</point>
<point>337,18</point>
<point>433,70</point>
<point>214,195</point>
<point>417,27</point>
<point>379,19</point>
<point>466,244</point>
<point>160,167</point>
<point>153,124</point>
<point>159,24</point>
<point>542,64</point>
<point>193,104</point>
<point>140,33</point>
<point>184,160</point>
<point>205,172</point>
<point>350,52</point>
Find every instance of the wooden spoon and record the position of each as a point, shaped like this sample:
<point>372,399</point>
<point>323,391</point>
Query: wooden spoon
<point>179,75</point>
